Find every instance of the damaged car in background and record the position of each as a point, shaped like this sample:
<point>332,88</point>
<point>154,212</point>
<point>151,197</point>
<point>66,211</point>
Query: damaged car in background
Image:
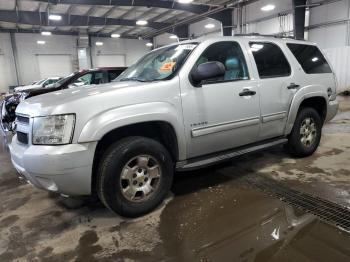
<point>84,77</point>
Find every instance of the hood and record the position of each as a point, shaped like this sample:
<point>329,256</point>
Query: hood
<point>28,87</point>
<point>66,99</point>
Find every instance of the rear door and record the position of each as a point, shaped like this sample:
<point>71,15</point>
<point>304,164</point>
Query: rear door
<point>277,87</point>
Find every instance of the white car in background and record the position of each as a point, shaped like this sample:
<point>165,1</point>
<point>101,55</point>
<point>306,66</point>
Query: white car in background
<point>42,83</point>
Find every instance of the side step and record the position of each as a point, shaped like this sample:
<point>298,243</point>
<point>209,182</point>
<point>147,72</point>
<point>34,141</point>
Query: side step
<point>211,159</point>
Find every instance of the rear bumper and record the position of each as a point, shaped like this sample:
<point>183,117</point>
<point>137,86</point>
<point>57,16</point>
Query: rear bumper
<point>332,110</point>
<point>63,169</point>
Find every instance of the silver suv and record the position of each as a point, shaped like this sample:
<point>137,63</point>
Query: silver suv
<point>180,107</point>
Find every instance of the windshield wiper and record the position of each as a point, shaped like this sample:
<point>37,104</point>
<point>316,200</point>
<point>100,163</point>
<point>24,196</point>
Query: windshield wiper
<point>132,79</point>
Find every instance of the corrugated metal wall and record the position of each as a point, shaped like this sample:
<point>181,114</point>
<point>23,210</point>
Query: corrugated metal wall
<point>340,59</point>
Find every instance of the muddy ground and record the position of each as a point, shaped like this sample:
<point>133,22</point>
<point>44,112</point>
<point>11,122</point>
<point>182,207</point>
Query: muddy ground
<point>214,214</point>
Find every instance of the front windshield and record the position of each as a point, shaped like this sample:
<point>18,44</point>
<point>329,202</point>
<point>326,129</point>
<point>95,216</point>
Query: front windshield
<point>40,82</point>
<point>160,64</point>
<point>61,81</point>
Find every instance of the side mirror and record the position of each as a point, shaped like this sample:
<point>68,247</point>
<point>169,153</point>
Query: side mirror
<point>207,70</point>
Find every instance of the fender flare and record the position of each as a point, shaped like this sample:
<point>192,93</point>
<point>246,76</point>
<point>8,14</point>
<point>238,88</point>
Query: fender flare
<point>298,98</point>
<point>101,124</point>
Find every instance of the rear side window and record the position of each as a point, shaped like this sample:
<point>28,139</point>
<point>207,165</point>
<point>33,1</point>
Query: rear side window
<point>310,58</point>
<point>270,60</point>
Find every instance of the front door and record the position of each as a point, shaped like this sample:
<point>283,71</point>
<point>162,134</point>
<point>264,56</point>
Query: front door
<point>221,113</point>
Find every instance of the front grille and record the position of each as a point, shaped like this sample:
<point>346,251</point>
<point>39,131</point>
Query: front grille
<point>23,119</point>
<point>22,137</point>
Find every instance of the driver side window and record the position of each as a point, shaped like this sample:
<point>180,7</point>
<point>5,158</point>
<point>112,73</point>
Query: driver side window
<point>231,56</point>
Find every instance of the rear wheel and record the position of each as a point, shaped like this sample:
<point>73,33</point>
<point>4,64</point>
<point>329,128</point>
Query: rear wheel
<point>306,133</point>
<point>135,176</point>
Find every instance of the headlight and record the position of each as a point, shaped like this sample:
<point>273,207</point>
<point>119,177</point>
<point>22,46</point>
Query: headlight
<point>53,130</point>
<point>23,96</point>
<point>3,108</point>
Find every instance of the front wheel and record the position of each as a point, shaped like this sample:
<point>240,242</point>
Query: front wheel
<point>135,176</point>
<point>306,133</point>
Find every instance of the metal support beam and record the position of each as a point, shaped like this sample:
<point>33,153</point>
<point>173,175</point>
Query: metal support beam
<point>225,17</point>
<point>58,32</point>
<point>182,32</point>
<point>41,18</point>
<point>299,7</point>
<point>196,8</point>
<point>15,56</point>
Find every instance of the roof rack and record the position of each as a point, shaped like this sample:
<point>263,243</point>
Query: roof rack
<point>257,34</point>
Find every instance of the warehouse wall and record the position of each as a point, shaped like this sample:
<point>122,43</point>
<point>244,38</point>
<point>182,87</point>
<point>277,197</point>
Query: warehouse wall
<point>279,20</point>
<point>57,46</point>
<point>198,30</point>
<point>7,66</point>
<point>131,49</point>
<point>195,30</point>
<point>28,52</point>
<point>330,29</point>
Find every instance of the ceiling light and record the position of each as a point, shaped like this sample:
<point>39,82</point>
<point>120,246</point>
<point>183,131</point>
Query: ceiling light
<point>55,17</point>
<point>209,26</point>
<point>315,59</point>
<point>267,8</point>
<point>40,42</point>
<point>141,22</point>
<point>149,44</point>
<point>115,35</point>
<point>99,43</point>
<point>45,33</point>
<point>173,37</point>
<point>185,1</point>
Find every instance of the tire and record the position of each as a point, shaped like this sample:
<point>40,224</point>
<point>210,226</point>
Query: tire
<point>304,139</point>
<point>135,175</point>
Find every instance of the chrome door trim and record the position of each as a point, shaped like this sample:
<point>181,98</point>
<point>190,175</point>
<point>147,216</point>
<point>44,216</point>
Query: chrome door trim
<point>202,131</point>
<point>274,116</point>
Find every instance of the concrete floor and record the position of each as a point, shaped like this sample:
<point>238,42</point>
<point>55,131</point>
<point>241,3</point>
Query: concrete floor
<point>211,215</point>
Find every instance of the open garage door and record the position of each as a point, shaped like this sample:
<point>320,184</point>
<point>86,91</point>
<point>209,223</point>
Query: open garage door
<point>110,60</point>
<point>54,65</point>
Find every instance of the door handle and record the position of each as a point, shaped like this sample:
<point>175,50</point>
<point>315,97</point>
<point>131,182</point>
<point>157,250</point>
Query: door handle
<point>293,86</point>
<point>247,92</point>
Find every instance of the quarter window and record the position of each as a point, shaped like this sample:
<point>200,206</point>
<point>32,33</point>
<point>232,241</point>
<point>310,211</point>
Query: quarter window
<point>114,74</point>
<point>231,56</point>
<point>270,60</point>
<point>310,58</point>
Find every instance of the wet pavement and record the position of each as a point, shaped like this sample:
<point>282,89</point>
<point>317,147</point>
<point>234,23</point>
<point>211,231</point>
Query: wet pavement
<point>214,214</point>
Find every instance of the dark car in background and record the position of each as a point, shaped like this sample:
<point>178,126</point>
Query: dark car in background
<point>84,77</point>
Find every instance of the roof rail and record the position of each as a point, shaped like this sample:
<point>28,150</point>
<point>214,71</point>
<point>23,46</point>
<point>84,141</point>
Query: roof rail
<point>257,34</point>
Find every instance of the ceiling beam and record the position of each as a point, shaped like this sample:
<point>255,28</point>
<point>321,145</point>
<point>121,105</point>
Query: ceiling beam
<point>196,8</point>
<point>57,32</point>
<point>41,18</point>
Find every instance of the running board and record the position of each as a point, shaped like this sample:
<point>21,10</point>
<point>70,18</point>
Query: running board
<point>226,155</point>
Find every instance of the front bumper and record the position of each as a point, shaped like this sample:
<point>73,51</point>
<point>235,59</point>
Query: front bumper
<point>332,109</point>
<point>63,169</point>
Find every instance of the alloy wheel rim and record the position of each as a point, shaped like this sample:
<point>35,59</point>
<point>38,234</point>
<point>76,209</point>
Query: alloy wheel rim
<point>308,132</point>
<point>140,178</point>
